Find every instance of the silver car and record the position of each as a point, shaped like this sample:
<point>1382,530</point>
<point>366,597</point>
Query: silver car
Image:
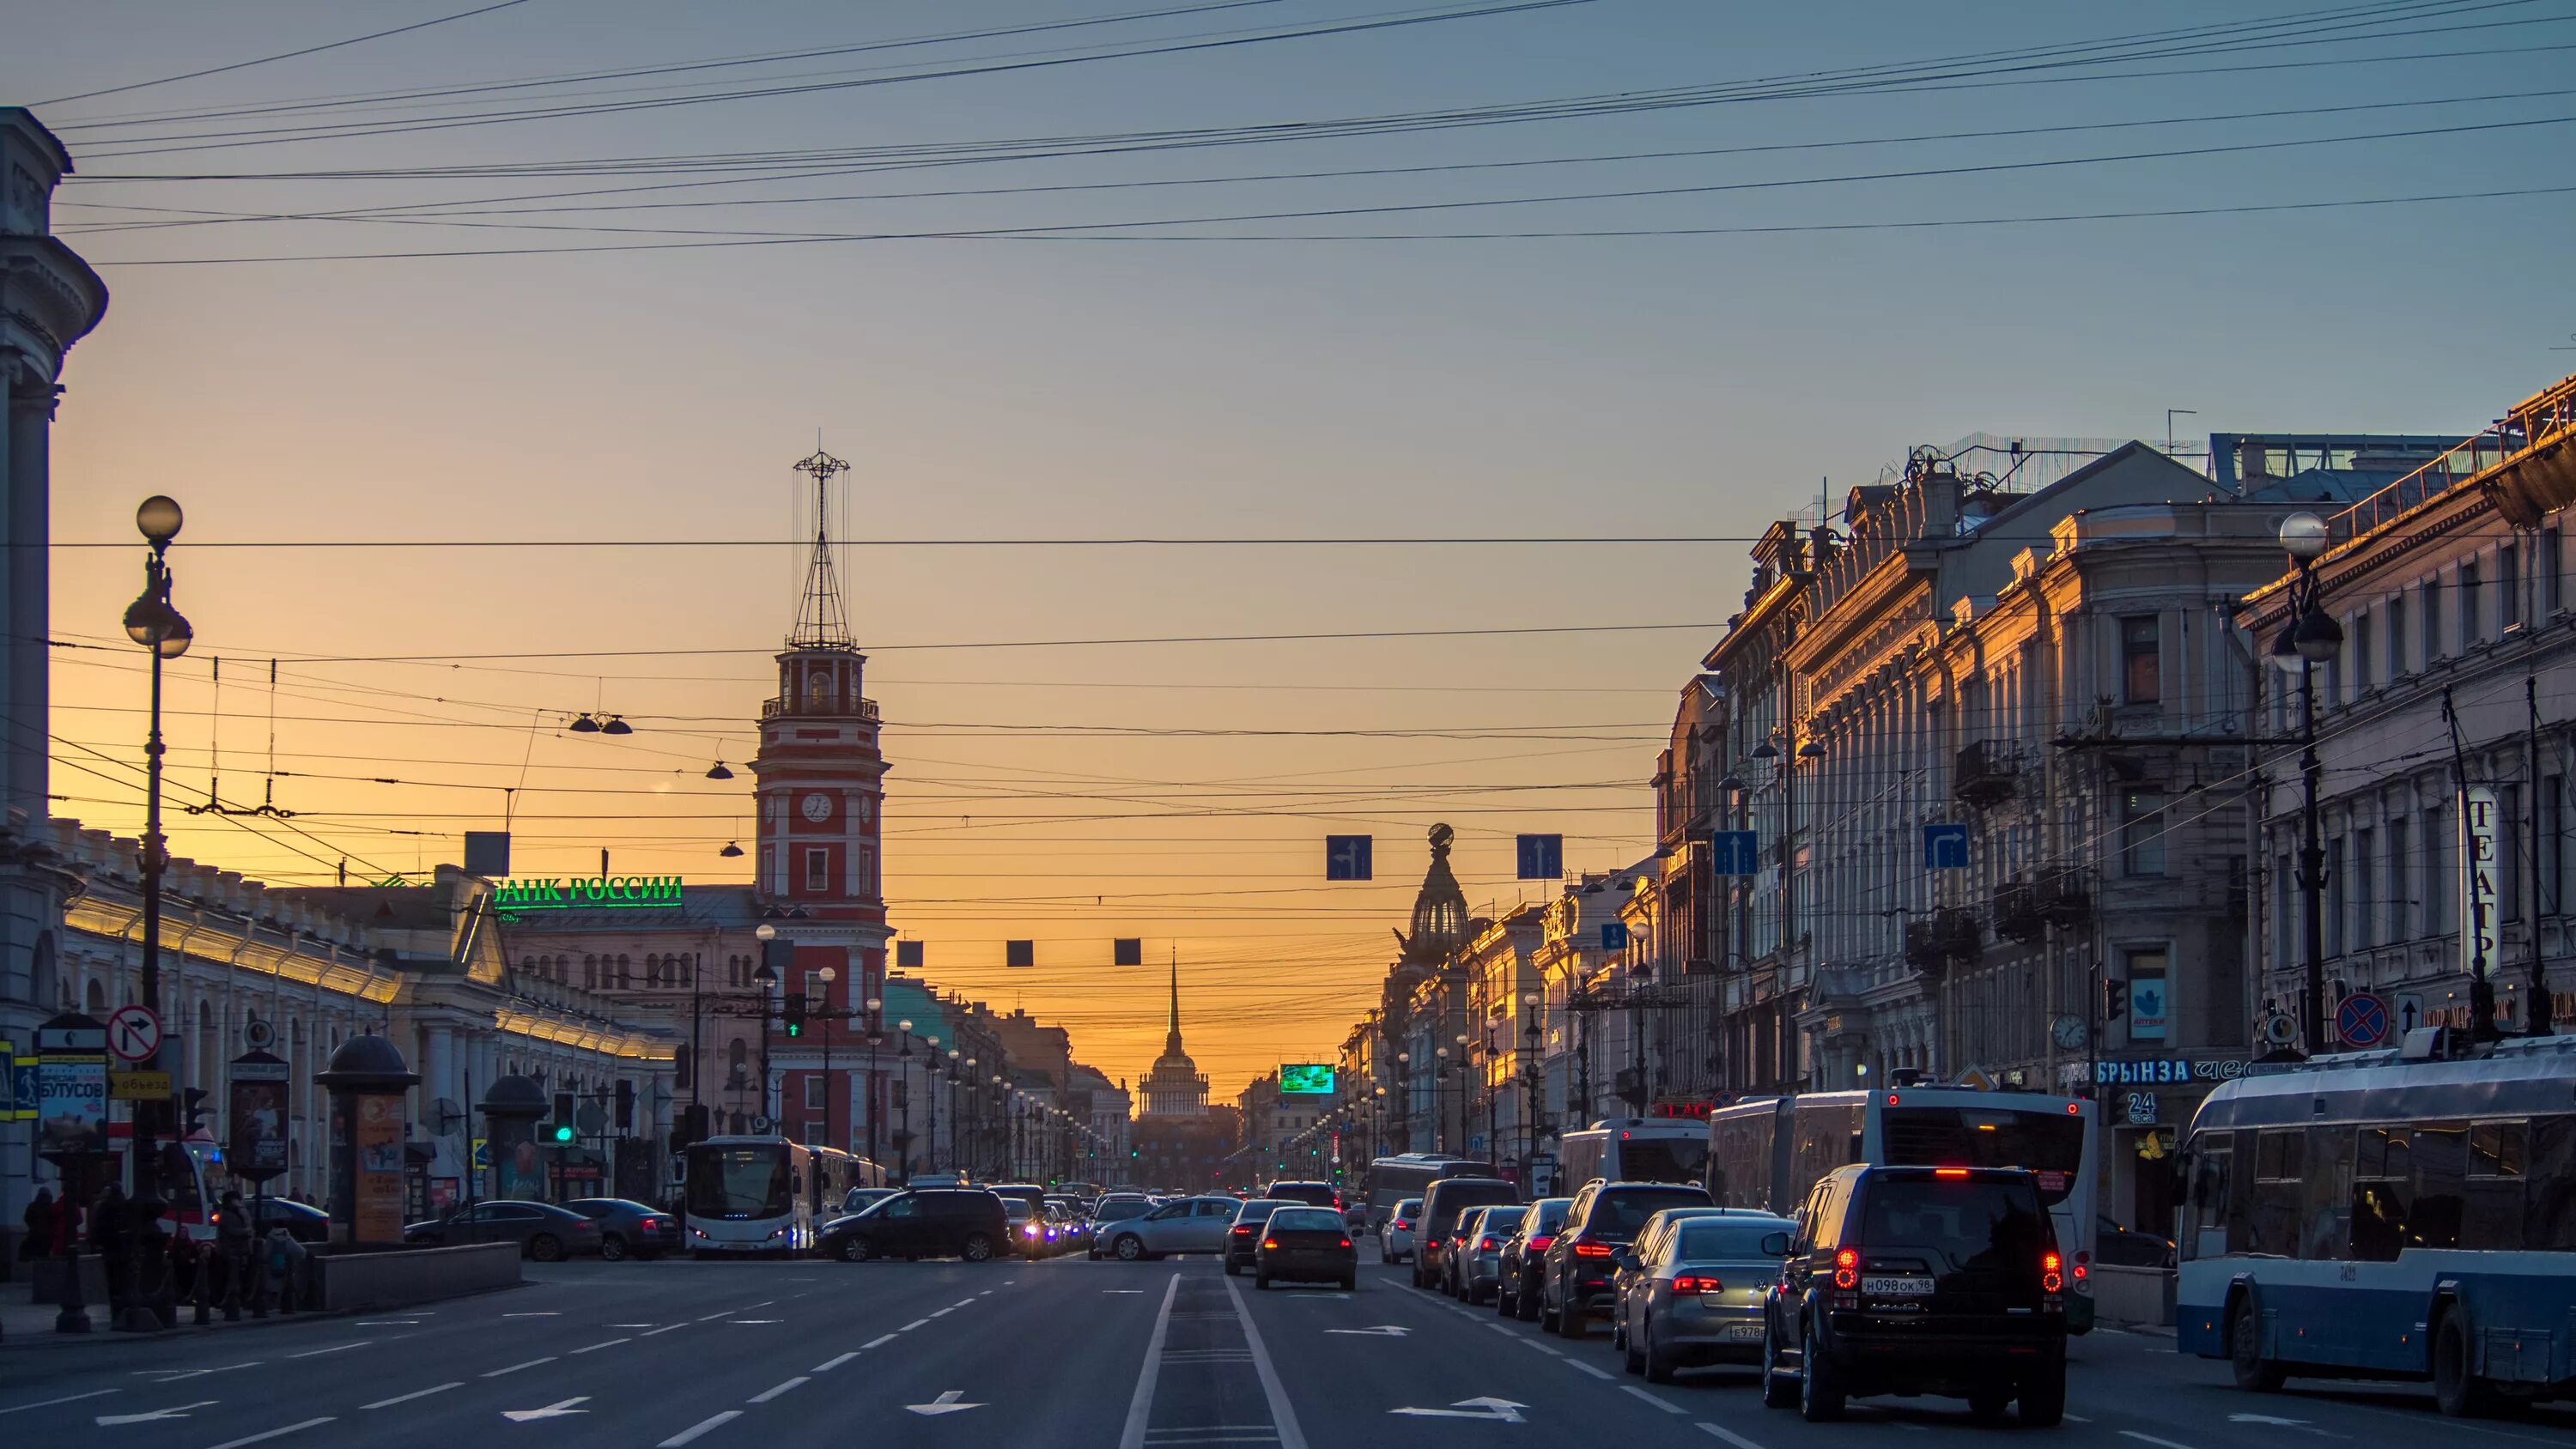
<point>1695,1295</point>
<point>1183,1225</point>
<point>1395,1235</point>
<point>1479,1268</point>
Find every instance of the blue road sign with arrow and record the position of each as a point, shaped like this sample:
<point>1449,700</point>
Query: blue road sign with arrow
<point>1945,847</point>
<point>1614,935</point>
<point>1347,857</point>
<point>1542,857</point>
<point>1735,853</point>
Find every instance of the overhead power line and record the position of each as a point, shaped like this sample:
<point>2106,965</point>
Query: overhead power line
<point>282,55</point>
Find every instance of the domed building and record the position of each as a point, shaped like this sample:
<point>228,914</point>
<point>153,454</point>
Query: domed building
<point>1175,1087</point>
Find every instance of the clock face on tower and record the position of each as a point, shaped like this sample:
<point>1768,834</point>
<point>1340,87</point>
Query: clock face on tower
<point>817,806</point>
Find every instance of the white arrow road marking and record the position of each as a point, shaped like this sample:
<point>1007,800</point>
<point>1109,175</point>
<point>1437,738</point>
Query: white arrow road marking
<point>49,1403</point>
<point>272,1434</point>
<point>555,1410</point>
<point>180,1412</point>
<point>945,1404</point>
<point>1501,1411</point>
<point>1383,1330</point>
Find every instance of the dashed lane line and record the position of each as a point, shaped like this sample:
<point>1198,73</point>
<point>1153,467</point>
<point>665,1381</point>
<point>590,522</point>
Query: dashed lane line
<point>1140,1406</point>
<point>414,1394</point>
<point>829,1364</point>
<point>273,1433</point>
<point>666,1328</point>
<point>765,1395</point>
<point>1598,1373</point>
<point>1283,1415</point>
<point>603,1343</point>
<point>49,1403</point>
<point>2077,1419</point>
<point>916,1323</point>
<point>702,1426</point>
<point>335,1348</point>
<point>1549,1349</point>
<point>944,1312</point>
<point>880,1341</point>
<point>514,1368</point>
<point>1667,1405</point>
<point>2151,1439</point>
<point>1729,1435</point>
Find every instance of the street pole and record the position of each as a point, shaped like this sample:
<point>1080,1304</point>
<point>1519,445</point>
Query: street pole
<point>2539,1017</point>
<point>2309,638</point>
<point>152,622</point>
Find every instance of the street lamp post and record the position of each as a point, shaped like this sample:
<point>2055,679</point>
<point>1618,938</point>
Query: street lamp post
<point>827,976</point>
<point>930,1137</point>
<point>1404,1095</point>
<point>2310,638</point>
<point>1463,1085</point>
<point>767,979</point>
<point>1531,1001</point>
<point>1440,1100</point>
<point>876,1038</point>
<point>903,1058</point>
<point>152,622</point>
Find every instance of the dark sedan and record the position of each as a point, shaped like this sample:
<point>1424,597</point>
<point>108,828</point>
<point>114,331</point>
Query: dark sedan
<point>1305,1245</point>
<point>628,1228</point>
<point>303,1223</point>
<point>543,1231</point>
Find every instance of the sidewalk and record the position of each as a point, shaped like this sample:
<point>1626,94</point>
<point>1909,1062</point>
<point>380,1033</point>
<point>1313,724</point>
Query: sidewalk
<point>25,1324</point>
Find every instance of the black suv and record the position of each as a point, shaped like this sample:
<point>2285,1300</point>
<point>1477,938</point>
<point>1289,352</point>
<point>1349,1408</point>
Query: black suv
<point>1313,1194</point>
<point>933,1222</point>
<point>1574,1276</point>
<point>1920,1280</point>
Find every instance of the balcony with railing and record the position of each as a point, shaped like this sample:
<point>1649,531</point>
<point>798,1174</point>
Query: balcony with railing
<point>1988,773</point>
<point>2523,459</point>
<point>1947,937</point>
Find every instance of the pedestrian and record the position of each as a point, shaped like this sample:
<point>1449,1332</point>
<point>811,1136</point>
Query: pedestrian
<point>236,1247</point>
<point>286,1260</point>
<point>39,1241</point>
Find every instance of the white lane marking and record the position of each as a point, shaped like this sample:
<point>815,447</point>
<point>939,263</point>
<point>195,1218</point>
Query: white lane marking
<point>514,1368</point>
<point>1729,1435</point>
<point>2151,1439</point>
<point>179,1411</point>
<point>172,1376</point>
<point>629,1325</point>
<point>987,1293</point>
<point>765,1395</point>
<point>759,1320</point>
<point>693,1431</point>
<point>548,1313</point>
<point>1283,1415</point>
<point>2077,1419</point>
<point>724,1313</point>
<point>1498,1328</point>
<point>1597,1373</point>
<point>970,1302</point>
<point>828,1365</point>
<point>1666,1405</point>
<point>880,1341</point>
<point>559,1409</point>
<point>944,1312</point>
<point>335,1348</point>
<point>604,1343</point>
<point>656,1333</point>
<point>1547,1349</point>
<point>916,1323</point>
<point>414,1394</point>
<point>1122,1290</point>
<point>49,1403</point>
<point>1140,1406</point>
<point>385,1323</point>
<point>273,1433</point>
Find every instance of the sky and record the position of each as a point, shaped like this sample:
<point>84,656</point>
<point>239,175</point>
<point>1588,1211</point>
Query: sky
<point>1137,370</point>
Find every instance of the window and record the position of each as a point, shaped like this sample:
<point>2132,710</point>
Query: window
<point>2470,628</point>
<point>2142,833</point>
<point>816,992</point>
<point>2396,636</point>
<point>2492,1213</point>
<point>625,973</point>
<point>2278,1156</point>
<point>2508,584</point>
<point>814,1090</point>
<point>2365,861</point>
<point>590,973</point>
<point>867,870</point>
<point>2548,566</point>
<point>2362,662</point>
<point>2336,879</point>
<point>2441,1160</point>
<point>2138,659</point>
<point>2428,601</point>
<point>2400,924</point>
<point>2382,1180</point>
<point>818,868</point>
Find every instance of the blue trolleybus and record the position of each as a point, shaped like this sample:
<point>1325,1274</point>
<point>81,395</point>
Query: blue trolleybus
<point>2367,1217</point>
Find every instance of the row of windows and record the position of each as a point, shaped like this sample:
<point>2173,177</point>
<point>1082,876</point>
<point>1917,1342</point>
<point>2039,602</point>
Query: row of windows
<point>2346,1193</point>
<point>2449,613</point>
<point>617,973</point>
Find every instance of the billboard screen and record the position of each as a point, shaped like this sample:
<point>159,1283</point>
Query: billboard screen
<point>1306,1079</point>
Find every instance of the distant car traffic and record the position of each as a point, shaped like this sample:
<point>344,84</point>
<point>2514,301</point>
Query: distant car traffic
<point>1243,1235</point>
<point>628,1228</point>
<point>1697,1289</point>
<point>1305,1245</point>
<point>1442,1203</point>
<point>1474,1269</point>
<point>1183,1225</point>
<point>1525,1257</point>
<point>945,1222</point>
<point>1314,1194</point>
<point>1603,1218</point>
<point>1920,1280</point>
<point>543,1231</point>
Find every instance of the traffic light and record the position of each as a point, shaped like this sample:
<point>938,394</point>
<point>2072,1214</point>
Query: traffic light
<point>192,1108</point>
<point>625,1105</point>
<point>2115,1001</point>
<point>796,1013</point>
<point>560,1130</point>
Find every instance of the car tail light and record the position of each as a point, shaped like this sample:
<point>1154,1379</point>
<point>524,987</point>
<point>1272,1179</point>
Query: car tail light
<point>1949,1172</point>
<point>2049,1278</point>
<point>1489,1244</point>
<point>1847,1268</point>
<point>1345,1242</point>
<point>1587,1249</point>
<point>1243,1230</point>
<point>1694,1283</point>
<point>1405,1223</point>
<point>1539,1245</point>
<point>1270,1242</point>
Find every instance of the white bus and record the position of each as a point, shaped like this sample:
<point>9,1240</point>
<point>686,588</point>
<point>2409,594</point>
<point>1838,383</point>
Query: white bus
<point>1634,1149</point>
<point>1767,1152</point>
<point>1390,1180</point>
<point>748,1195</point>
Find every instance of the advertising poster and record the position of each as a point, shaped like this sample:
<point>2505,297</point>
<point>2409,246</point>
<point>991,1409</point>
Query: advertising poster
<point>257,1116</point>
<point>71,1104</point>
<point>378,1143</point>
<point>518,1165</point>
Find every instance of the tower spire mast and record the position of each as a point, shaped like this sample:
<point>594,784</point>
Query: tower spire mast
<point>1172,1037</point>
<point>822,615</point>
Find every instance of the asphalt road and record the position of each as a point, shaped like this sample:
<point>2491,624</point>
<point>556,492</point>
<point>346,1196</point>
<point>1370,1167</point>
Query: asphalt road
<point>1169,1355</point>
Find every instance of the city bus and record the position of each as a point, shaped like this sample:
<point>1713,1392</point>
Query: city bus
<point>2363,1216</point>
<point>748,1195</point>
<point>1390,1180</point>
<point>1767,1152</point>
<point>835,1173</point>
<point>1634,1149</point>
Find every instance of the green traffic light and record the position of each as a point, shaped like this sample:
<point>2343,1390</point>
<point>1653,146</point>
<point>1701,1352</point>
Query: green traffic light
<point>563,1132</point>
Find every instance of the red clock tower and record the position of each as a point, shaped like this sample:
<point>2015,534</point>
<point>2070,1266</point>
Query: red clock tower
<point>821,795</point>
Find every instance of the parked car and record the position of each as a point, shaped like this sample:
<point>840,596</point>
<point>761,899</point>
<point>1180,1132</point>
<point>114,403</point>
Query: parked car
<point>1474,1267</point>
<point>860,1199</point>
<point>543,1231</point>
<point>2128,1248</point>
<point>1305,1245</point>
<point>629,1228</point>
<point>1920,1280</point>
<point>1441,1205</point>
<point>1183,1225</point>
<point>1525,1257</point>
<point>1112,1209</point>
<point>1314,1194</point>
<point>1243,1235</point>
<point>937,1222</point>
<point>1603,1218</point>
<point>1697,1288</point>
<point>1395,1235</point>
